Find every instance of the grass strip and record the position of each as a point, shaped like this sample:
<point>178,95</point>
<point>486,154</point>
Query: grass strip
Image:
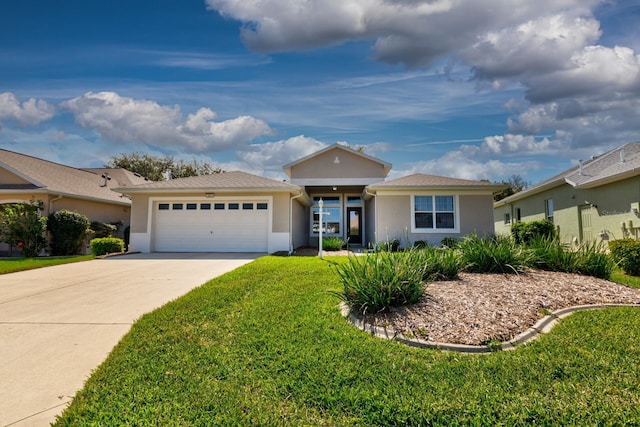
<point>266,345</point>
<point>12,265</point>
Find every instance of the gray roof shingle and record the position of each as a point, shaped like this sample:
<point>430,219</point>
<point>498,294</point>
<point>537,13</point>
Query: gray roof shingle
<point>617,164</point>
<point>419,180</point>
<point>54,178</point>
<point>231,181</point>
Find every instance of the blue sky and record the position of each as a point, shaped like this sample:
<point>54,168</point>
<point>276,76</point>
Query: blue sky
<point>463,88</point>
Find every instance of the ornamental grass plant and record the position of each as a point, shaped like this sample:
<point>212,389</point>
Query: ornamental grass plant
<point>441,263</point>
<point>379,280</point>
<point>494,254</point>
<point>589,259</point>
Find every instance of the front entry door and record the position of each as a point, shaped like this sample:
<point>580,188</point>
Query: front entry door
<point>354,229</point>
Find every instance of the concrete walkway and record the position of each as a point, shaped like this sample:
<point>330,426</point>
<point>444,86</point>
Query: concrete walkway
<point>59,323</point>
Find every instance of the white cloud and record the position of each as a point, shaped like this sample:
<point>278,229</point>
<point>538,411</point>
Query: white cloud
<point>466,163</point>
<point>269,157</point>
<point>533,47</point>
<point>548,48</point>
<point>123,119</point>
<point>29,112</point>
<point>413,32</point>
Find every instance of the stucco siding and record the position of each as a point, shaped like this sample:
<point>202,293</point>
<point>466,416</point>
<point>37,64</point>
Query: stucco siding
<point>476,214</point>
<point>394,217</point>
<point>300,225</point>
<point>139,213</point>
<point>280,213</point>
<point>607,206</point>
<point>7,177</point>
<point>95,211</point>
<point>370,223</point>
<point>349,165</point>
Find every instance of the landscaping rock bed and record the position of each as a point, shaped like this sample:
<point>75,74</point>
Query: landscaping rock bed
<point>480,308</point>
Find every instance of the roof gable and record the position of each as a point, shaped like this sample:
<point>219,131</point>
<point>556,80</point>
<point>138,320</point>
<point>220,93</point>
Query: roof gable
<point>54,178</point>
<point>337,154</point>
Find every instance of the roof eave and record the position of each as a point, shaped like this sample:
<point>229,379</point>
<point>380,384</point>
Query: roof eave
<point>492,188</point>
<point>530,192</point>
<point>610,179</point>
<point>133,190</point>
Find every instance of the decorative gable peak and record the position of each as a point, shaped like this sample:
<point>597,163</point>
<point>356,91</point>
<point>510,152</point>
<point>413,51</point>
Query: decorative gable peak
<point>337,161</point>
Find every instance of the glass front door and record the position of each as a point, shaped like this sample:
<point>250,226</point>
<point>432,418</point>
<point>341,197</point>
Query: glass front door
<point>354,230</point>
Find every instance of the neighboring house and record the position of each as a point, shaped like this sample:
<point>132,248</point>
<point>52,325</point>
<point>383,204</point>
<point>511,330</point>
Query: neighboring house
<point>24,178</point>
<point>594,201</point>
<point>241,212</point>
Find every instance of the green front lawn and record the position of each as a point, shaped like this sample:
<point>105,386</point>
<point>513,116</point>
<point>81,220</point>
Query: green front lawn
<point>266,345</point>
<point>618,276</point>
<point>11,265</point>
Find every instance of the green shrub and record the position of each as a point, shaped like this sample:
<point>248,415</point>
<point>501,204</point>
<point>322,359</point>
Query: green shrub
<point>68,230</point>
<point>332,243</point>
<point>102,229</point>
<point>495,254</point>
<point>450,242</point>
<point>626,253</point>
<point>525,232</point>
<point>106,245</point>
<point>21,225</point>
<point>377,281</point>
<point>441,263</point>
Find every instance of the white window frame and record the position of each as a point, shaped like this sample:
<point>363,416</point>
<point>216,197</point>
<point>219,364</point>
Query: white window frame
<point>456,214</point>
<point>507,218</point>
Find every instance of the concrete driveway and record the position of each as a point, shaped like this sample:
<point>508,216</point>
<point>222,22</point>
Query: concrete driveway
<point>59,323</point>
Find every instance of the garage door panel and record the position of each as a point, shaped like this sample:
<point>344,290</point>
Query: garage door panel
<point>215,230</point>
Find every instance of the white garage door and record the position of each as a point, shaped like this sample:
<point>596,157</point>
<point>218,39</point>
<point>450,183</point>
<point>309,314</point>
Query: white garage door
<point>221,226</point>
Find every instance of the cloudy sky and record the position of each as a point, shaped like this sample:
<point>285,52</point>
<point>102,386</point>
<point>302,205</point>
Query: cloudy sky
<point>463,88</point>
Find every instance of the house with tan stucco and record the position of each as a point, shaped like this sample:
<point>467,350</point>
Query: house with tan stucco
<point>597,200</point>
<point>242,212</point>
<point>89,191</point>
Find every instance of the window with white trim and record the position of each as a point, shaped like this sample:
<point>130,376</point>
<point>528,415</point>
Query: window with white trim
<point>431,213</point>
<point>332,215</point>
<point>507,218</point>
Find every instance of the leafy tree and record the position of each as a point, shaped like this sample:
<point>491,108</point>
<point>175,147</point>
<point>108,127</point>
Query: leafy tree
<point>182,169</point>
<point>155,167</point>
<point>516,184</point>
<point>21,225</point>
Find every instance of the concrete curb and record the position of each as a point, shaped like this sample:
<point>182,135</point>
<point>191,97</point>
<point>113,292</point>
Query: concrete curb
<point>542,326</point>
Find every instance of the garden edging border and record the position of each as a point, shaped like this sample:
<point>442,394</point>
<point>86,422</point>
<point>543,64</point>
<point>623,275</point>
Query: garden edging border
<point>542,326</point>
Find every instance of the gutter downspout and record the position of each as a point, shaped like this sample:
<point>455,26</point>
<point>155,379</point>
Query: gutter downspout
<point>291,221</point>
<point>55,199</point>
